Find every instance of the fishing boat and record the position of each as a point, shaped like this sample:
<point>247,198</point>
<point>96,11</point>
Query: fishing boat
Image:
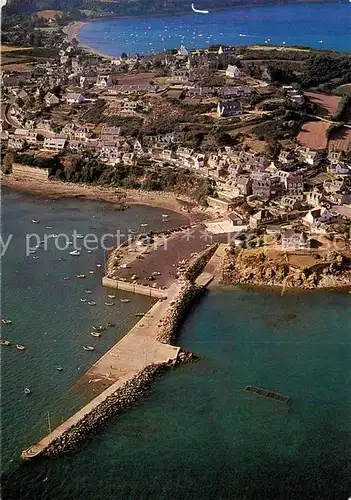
<point>109,303</point>
<point>139,315</point>
<point>87,290</point>
<point>111,296</point>
<point>59,368</point>
<point>110,324</point>
<point>125,301</point>
<point>66,278</point>
<point>6,321</point>
<point>35,221</point>
<point>4,342</point>
<point>20,347</point>
<point>95,334</point>
<point>91,303</point>
<point>99,328</point>
<point>27,390</point>
<point>75,252</point>
<point>88,348</point>
<point>80,275</point>
<point>83,300</point>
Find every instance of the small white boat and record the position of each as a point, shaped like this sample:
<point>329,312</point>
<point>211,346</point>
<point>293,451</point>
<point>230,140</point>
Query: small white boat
<point>20,347</point>
<point>91,303</point>
<point>87,291</point>
<point>111,296</point>
<point>6,321</point>
<point>35,221</point>
<point>59,368</point>
<point>27,390</point>
<point>98,265</point>
<point>109,303</point>
<point>75,252</point>
<point>88,347</point>
<point>80,275</point>
<point>83,300</point>
<point>66,278</point>
<point>89,251</point>
<point>48,227</point>
<point>143,225</point>
<point>79,236</point>
<point>91,271</point>
<point>95,334</point>
<point>4,342</point>
<point>125,301</point>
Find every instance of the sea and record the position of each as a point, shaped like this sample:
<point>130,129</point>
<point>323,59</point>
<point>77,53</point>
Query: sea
<point>196,435</point>
<point>315,24</point>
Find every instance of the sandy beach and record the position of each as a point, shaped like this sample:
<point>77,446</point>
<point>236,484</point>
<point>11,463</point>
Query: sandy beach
<point>72,31</point>
<point>120,198</point>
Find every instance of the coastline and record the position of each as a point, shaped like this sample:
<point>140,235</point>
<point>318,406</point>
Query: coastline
<point>120,198</point>
<point>73,29</point>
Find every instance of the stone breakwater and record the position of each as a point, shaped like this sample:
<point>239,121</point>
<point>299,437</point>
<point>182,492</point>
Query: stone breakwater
<point>168,326</point>
<point>190,291</point>
<point>197,264</point>
<point>114,404</point>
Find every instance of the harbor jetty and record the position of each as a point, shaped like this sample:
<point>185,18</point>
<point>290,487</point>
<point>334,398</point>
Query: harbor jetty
<point>124,373</point>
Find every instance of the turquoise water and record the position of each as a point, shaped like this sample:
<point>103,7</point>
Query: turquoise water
<point>196,435</point>
<point>296,24</point>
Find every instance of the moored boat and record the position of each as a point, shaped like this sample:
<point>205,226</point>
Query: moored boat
<point>74,252</point>
<point>125,301</point>
<point>59,368</point>
<point>95,334</point>
<point>109,303</point>
<point>80,275</point>
<point>66,278</point>
<point>6,321</point>
<point>99,328</point>
<point>83,300</point>
<point>110,324</point>
<point>91,271</point>
<point>91,303</point>
<point>98,265</point>
<point>87,290</point>
<point>27,390</point>
<point>139,315</point>
<point>88,348</point>
<point>111,296</point>
<point>36,221</point>
<point>4,342</point>
<point>20,347</point>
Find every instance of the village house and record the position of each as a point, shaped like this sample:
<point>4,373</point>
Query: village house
<point>74,98</point>
<point>334,156</point>
<point>307,155</point>
<point>16,143</point>
<point>244,185</point>
<point>131,106</point>
<point>200,92</point>
<point>287,157</point>
<point>339,168</point>
<point>261,218</point>
<point>320,214</point>
<point>227,50</point>
<point>340,198</point>
<point>262,185</point>
<point>51,100</point>
<point>314,198</point>
<point>290,202</point>
<point>182,51</point>
<point>29,136</point>
<point>110,154</point>
<point>103,81</point>
<point>110,134</point>
<point>294,240</point>
<point>229,108</point>
<point>292,183</point>
<point>233,72</point>
<point>52,144</point>
<point>180,75</point>
<point>336,185</point>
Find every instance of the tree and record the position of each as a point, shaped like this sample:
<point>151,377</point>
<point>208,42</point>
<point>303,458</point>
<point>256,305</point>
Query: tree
<point>8,161</point>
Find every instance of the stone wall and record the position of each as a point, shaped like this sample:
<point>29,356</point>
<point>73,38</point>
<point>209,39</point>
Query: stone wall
<point>26,172</point>
<point>197,264</point>
<point>127,286</point>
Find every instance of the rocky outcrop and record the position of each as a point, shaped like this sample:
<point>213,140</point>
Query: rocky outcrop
<point>258,267</point>
<point>198,263</point>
